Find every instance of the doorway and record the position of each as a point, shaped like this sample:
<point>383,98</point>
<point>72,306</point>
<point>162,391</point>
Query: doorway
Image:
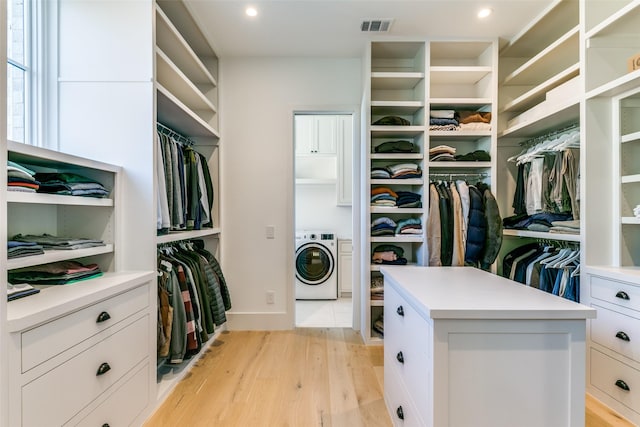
<point>323,260</point>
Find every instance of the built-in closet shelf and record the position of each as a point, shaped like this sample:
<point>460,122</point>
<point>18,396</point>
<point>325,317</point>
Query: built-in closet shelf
<point>562,50</point>
<point>632,220</point>
<point>398,239</point>
<point>57,255</point>
<point>553,117</point>
<point>616,87</point>
<point>376,267</point>
<point>459,133</point>
<point>543,30</point>
<point>382,80</point>
<point>176,82</point>
<point>409,181</point>
<point>397,156</point>
<point>377,303</point>
<point>56,199</point>
<point>459,165</point>
<point>538,93</point>
<point>626,17</point>
<point>628,179</point>
<point>395,210</point>
<point>36,156</point>
<point>464,75</point>
<point>396,107</point>
<point>542,235</point>
<point>396,131</point>
<point>466,102</point>
<point>631,137</point>
<point>176,236</point>
<point>171,42</point>
<point>175,114</point>
<point>180,371</point>
<point>54,301</point>
<point>316,181</point>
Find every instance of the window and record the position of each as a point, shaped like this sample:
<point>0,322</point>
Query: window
<point>18,72</point>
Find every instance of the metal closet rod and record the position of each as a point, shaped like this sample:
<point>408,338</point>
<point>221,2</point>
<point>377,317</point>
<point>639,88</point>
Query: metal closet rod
<point>458,175</point>
<point>556,132</point>
<point>173,134</point>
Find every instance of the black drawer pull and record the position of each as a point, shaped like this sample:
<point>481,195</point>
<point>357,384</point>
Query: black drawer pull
<point>400,357</point>
<point>400,311</point>
<point>400,413</point>
<point>103,369</point>
<point>103,317</point>
<point>623,336</point>
<point>623,295</point>
<point>105,425</point>
<point>623,385</point>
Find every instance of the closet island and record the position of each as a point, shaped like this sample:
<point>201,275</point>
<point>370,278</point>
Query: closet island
<point>465,347</point>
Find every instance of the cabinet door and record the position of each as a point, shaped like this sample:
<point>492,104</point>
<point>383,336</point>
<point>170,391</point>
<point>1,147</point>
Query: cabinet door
<point>345,160</point>
<point>326,134</point>
<point>305,135</point>
<point>345,271</point>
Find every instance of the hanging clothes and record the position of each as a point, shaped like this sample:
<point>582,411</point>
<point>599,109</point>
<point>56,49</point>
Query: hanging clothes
<point>464,226</point>
<point>546,267</point>
<point>185,189</point>
<point>193,292</point>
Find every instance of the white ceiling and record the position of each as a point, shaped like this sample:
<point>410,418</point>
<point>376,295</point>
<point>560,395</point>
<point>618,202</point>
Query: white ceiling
<point>331,28</point>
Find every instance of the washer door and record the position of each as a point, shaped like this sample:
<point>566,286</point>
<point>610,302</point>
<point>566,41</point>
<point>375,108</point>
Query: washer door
<point>314,264</point>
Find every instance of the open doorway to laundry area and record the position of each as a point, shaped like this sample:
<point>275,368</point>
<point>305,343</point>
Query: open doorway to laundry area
<point>323,259</point>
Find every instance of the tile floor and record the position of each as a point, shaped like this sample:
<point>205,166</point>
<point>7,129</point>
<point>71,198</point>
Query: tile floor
<point>324,314</point>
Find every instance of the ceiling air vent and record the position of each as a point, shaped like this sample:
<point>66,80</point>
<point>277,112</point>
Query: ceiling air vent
<point>376,25</point>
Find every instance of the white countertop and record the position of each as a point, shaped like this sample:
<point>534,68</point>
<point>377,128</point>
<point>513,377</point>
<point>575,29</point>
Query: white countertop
<point>470,293</point>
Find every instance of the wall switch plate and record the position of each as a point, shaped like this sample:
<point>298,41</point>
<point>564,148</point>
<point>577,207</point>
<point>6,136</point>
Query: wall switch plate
<point>271,231</point>
<point>271,297</point>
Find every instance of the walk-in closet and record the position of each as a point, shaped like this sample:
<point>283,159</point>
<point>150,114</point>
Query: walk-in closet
<point>213,209</point>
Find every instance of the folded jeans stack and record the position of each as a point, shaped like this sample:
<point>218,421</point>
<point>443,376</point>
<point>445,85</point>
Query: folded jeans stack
<point>17,249</point>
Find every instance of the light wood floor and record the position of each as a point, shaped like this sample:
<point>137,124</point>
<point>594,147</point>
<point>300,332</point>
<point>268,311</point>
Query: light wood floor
<point>299,378</point>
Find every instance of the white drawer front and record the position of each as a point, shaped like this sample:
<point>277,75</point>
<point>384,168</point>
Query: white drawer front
<point>402,410</point>
<point>606,372</point>
<point>55,397</point>
<point>617,331</point>
<point>345,247</point>
<point>619,293</point>
<point>123,406</point>
<point>407,344</point>
<point>48,340</point>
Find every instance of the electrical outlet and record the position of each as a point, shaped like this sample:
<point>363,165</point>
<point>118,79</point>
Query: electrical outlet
<point>271,297</point>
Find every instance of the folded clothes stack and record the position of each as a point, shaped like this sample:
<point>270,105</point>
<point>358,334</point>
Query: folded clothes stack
<point>474,120</point>
<point>400,146</point>
<point>383,196</point>
<point>409,226</point>
<point>566,227</point>
<point>56,273</point>
<point>383,227</point>
<point>378,324</point>
<point>392,121</point>
<point>408,199</point>
<point>17,249</point>
<point>20,178</point>
<point>388,254</point>
<point>442,153</point>
<point>68,183</point>
<point>48,241</point>
<point>20,290</point>
<point>377,288</point>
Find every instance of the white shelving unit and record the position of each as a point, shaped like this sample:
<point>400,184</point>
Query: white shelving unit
<point>58,330</point>
<point>609,38</point>
<point>539,93</point>
<point>407,79</point>
<point>187,102</point>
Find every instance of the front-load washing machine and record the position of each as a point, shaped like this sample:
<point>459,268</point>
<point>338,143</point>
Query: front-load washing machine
<point>316,269</point>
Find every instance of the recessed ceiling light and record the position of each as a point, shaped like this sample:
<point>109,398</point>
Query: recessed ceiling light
<point>251,11</point>
<point>483,13</point>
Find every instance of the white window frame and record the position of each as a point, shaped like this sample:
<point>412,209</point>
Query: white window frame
<point>39,15</point>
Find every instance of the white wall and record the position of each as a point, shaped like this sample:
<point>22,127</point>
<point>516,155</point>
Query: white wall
<point>316,210</point>
<point>258,98</point>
